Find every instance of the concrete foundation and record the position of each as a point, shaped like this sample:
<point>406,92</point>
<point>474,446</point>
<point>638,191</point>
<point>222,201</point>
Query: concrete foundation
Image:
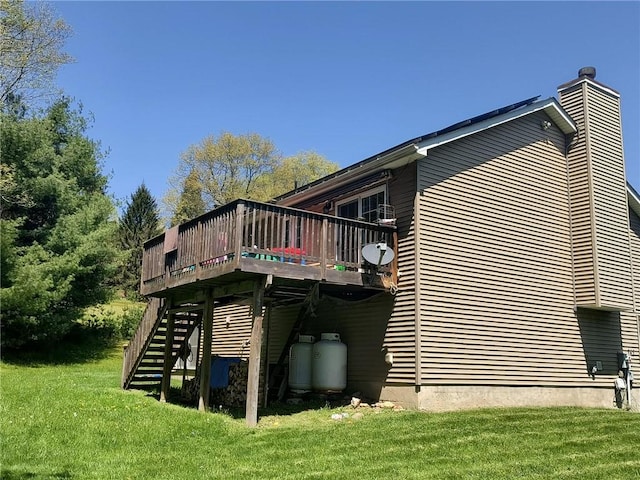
<point>446,398</point>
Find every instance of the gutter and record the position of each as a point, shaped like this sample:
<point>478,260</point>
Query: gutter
<point>350,174</point>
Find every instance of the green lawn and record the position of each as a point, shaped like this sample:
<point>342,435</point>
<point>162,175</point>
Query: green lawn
<point>71,420</point>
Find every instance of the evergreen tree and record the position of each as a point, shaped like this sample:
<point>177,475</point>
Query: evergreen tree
<point>190,203</point>
<point>139,223</point>
<point>57,225</point>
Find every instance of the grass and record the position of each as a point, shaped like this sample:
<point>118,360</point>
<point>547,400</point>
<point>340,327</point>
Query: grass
<point>70,419</point>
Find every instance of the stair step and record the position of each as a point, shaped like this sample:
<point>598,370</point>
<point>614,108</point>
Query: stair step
<point>147,378</point>
<point>142,385</point>
<point>151,369</point>
<point>154,354</point>
<point>150,362</point>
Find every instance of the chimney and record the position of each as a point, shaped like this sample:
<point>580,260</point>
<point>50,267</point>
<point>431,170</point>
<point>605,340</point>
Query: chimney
<point>598,194</point>
<point>587,72</point>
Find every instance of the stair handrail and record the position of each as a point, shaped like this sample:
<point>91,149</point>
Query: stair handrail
<point>135,350</point>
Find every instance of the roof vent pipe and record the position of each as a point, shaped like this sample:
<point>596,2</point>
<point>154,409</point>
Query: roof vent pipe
<point>587,72</point>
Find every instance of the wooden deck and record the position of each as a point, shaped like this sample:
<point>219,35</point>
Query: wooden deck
<point>241,239</point>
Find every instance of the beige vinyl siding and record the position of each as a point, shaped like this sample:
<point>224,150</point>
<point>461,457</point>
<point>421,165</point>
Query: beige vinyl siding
<point>580,193</point>
<point>598,194</point>
<point>631,320</point>
<point>604,334</point>
<point>281,320</point>
<point>629,332</point>
<point>495,263</point>
<point>400,337</point>
<point>230,338</point>
<point>610,200</point>
<point>634,237</point>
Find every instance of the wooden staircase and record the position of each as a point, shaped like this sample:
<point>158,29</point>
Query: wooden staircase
<point>143,361</point>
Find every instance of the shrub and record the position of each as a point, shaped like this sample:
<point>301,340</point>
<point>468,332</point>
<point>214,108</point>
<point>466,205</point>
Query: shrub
<point>111,321</point>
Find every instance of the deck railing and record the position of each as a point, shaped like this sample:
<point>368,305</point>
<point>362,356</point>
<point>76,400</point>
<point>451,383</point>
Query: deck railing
<point>241,232</point>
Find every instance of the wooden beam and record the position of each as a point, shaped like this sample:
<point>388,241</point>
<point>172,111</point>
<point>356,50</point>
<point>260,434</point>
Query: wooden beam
<point>168,355</point>
<point>253,380</point>
<point>265,350</point>
<point>205,366</point>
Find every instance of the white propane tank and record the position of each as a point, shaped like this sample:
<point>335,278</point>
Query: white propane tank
<point>300,364</point>
<point>329,367</point>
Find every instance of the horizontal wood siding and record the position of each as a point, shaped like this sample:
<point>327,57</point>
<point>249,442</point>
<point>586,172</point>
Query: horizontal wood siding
<point>495,263</point>
<point>598,198</point>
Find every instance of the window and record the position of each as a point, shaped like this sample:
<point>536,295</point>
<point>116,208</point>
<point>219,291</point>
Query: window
<point>350,238</point>
<point>364,206</point>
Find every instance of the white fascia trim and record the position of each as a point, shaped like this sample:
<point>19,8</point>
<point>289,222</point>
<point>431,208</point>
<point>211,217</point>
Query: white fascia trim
<point>591,82</point>
<point>550,106</point>
<point>351,174</point>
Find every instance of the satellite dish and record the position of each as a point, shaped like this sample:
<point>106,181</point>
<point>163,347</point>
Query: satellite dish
<point>378,253</point>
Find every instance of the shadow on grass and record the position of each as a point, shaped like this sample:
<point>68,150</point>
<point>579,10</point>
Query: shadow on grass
<point>304,403</point>
<point>9,475</point>
<point>80,346</point>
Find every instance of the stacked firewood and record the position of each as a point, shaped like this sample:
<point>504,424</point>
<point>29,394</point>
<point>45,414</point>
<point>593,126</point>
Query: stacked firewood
<point>234,395</point>
<point>191,388</point>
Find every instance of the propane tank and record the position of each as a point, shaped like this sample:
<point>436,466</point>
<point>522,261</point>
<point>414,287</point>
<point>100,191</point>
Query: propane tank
<point>329,365</point>
<point>300,364</point>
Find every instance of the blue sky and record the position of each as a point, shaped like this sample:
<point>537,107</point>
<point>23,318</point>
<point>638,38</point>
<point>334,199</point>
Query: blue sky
<point>344,79</point>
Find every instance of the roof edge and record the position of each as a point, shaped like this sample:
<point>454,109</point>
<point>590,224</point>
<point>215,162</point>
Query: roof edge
<point>593,82</point>
<point>550,106</point>
<point>417,147</point>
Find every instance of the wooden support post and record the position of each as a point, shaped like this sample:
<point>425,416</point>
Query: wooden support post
<point>205,366</point>
<point>323,249</point>
<point>265,350</point>
<point>253,380</point>
<point>168,355</point>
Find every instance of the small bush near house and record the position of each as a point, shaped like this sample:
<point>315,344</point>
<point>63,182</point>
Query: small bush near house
<point>114,321</point>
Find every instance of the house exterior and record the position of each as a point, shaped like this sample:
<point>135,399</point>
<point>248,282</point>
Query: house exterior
<point>516,277</point>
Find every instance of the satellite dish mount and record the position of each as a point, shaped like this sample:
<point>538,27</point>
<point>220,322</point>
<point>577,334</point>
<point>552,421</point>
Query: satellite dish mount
<point>378,253</point>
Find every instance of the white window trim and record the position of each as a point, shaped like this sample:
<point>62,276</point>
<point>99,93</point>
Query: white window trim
<point>360,196</point>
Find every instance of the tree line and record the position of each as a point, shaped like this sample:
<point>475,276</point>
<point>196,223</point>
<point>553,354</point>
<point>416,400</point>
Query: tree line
<point>63,247</point>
